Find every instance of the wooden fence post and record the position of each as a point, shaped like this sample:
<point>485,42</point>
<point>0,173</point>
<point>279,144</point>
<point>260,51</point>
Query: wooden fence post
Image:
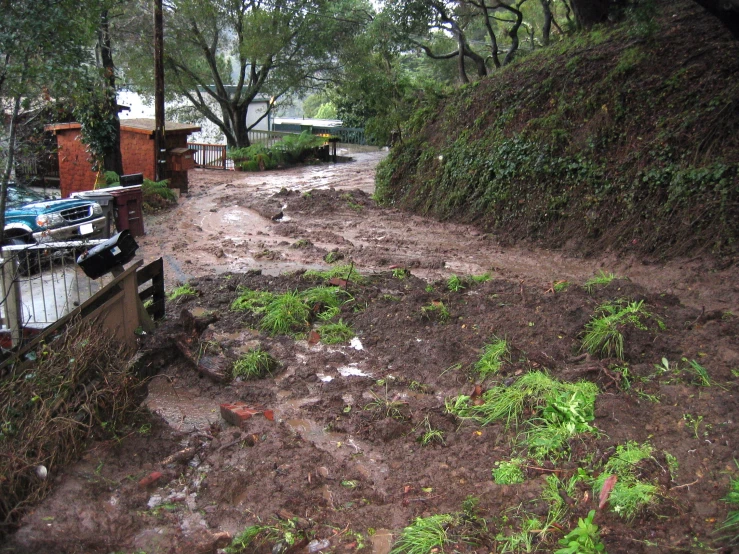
<point>10,289</point>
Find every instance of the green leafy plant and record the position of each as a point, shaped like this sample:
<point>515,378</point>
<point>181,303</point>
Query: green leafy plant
<point>400,273</point>
<point>492,358</point>
<point>630,494</point>
<point>694,423</point>
<point>437,308</point>
<point>185,290</point>
<point>603,332</point>
<point>334,333</point>
<point>455,283</point>
<point>583,539</point>
<point>424,535</point>
<point>509,473</point>
<point>600,280</point>
<point>255,364</point>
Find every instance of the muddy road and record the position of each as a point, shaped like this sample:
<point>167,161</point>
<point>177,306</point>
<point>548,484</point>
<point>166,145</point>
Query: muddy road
<point>226,224</point>
<point>351,441</point>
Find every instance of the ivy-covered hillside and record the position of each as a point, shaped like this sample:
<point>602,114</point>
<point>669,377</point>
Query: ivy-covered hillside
<point>626,137</point>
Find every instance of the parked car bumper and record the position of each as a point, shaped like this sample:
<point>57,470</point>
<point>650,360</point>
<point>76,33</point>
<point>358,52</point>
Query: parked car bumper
<point>78,231</point>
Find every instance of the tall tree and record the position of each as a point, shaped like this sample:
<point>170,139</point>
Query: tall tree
<point>221,55</point>
<point>43,44</point>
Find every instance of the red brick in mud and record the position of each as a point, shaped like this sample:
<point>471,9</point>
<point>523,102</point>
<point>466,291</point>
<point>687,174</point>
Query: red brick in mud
<point>237,413</point>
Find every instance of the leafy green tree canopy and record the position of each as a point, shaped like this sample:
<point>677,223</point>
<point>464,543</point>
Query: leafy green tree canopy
<point>221,55</point>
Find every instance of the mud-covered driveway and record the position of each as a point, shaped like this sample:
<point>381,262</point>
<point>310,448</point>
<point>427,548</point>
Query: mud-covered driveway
<point>232,222</point>
<point>353,440</point>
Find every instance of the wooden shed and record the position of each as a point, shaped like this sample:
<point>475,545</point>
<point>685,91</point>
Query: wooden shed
<point>137,151</point>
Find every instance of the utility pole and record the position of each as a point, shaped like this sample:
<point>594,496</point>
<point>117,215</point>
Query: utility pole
<point>160,142</point>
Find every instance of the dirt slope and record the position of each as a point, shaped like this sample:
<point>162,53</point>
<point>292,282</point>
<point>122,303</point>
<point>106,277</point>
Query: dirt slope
<point>623,139</point>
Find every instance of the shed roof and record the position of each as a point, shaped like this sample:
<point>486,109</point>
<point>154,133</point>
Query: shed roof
<point>143,125</point>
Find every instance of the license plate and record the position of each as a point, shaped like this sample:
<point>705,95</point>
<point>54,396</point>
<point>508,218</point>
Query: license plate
<point>86,229</point>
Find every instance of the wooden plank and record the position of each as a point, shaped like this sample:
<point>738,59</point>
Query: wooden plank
<point>84,309</point>
<point>149,271</point>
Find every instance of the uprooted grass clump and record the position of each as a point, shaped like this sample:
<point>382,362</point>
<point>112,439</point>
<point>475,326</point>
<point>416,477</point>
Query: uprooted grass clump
<point>78,385</point>
<point>730,526</point>
<point>509,473</point>
<point>335,333</point>
<point>255,364</point>
<point>291,312</point>
<point>601,280</point>
<point>604,332</point>
<point>631,493</point>
<point>346,272</point>
<point>563,411</point>
<point>425,534</point>
<point>492,358</point>
<point>183,291</point>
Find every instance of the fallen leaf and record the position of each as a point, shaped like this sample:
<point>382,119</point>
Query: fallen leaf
<point>314,337</point>
<point>605,490</point>
<point>269,414</point>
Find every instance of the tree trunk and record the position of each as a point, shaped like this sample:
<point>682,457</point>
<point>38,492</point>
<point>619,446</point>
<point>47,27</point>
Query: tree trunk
<point>590,12</point>
<point>112,160</point>
<point>8,165</point>
<point>460,61</point>
<point>513,33</point>
<point>546,28</point>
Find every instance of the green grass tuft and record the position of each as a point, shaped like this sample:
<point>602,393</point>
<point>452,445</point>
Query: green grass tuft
<point>347,272</point>
<point>533,390</point>
<point>181,291</point>
<point>630,494</point>
<point>456,283</point>
<point>731,524</point>
<point>483,278</point>
<point>492,358</point>
<point>603,332</point>
<point>334,333</point>
<point>285,314</point>
<point>424,535</point>
<point>255,364</point>
<point>509,473</point>
<point>437,308</point>
<point>600,280</point>
<point>253,301</point>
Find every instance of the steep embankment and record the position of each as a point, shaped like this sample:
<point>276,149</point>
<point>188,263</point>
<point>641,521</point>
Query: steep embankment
<point>622,138</point>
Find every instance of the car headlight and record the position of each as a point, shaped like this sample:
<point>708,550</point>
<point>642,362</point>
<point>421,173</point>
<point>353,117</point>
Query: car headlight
<point>97,209</point>
<point>49,220</point>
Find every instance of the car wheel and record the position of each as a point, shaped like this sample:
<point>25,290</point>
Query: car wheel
<point>28,260</point>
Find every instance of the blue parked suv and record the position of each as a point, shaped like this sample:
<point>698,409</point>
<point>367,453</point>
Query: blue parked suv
<point>32,219</point>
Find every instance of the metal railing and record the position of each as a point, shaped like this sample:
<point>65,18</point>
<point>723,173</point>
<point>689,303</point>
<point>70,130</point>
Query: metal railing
<point>213,156</point>
<point>40,284</point>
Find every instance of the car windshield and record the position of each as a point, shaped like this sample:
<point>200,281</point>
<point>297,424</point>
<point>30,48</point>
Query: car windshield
<point>19,195</point>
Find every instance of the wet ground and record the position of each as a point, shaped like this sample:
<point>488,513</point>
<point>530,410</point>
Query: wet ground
<point>337,462</point>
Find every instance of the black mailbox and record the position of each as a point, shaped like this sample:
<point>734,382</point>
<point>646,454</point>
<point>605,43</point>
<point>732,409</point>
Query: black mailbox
<point>115,251</point>
<point>131,179</point>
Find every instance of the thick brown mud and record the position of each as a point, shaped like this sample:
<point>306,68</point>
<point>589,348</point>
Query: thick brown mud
<point>339,464</point>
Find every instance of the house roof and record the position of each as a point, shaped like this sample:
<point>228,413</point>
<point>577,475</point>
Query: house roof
<point>142,125</point>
